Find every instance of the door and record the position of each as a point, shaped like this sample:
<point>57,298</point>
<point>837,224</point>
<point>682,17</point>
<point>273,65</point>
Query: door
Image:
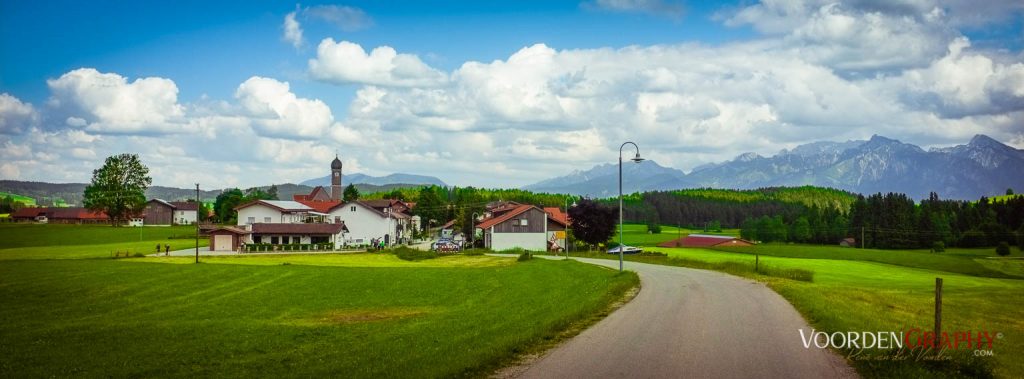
<point>223,242</point>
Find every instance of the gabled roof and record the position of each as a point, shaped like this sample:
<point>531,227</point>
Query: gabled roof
<point>162,202</point>
<point>77,213</point>
<point>299,228</point>
<point>281,205</point>
<point>320,205</point>
<point>230,229</point>
<point>518,210</point>
<point>555,214</point>
<point>185,205</point>
<point>312,196</point>
<point>30,212</point>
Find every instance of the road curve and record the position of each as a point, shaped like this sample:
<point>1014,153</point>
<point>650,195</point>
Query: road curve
<point>694,324</point>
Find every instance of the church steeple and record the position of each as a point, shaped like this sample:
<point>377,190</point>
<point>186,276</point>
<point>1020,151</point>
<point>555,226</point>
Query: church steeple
<point>336,179</point>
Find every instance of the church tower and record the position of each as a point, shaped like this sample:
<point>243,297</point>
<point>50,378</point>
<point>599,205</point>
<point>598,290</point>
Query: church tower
<point>336,179</point>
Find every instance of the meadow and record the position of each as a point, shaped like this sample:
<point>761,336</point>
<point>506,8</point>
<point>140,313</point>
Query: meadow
<point>352,315</point>
<point>882,290</point>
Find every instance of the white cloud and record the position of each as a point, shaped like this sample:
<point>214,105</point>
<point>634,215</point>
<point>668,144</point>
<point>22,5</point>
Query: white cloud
<point>347,62</point>
<point>15,115</point>
<point>344,17</point>
<point>292,30</point>
<point>9,171</point>
<point>110,104</point>
<point>278,112</point>
<point>663,8</point>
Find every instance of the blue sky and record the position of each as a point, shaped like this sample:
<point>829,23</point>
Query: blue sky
<point>489,93</point>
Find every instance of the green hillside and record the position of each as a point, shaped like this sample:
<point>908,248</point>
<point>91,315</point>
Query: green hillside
<point>28,201</point>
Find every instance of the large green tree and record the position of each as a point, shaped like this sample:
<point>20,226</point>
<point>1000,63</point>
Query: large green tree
<point>118,188</point>
<point>350,193</point>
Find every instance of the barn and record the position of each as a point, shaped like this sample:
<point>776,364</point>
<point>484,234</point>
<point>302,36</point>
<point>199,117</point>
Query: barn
<point>706,240</point>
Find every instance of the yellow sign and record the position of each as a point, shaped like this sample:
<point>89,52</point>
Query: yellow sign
<point>560,234</point>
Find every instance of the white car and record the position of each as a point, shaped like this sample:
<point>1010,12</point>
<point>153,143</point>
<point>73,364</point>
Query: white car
<point>626,250</point>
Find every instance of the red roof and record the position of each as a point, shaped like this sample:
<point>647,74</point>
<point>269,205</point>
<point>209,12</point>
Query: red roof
<point>555,214</point>
<point>701,240</point>
<point>334,228</point>
<point>185,205</point>
<point>77,213</point>
<point>30,212</point>
<point>319,205</point>
<point>492,221</point>
<point>313,195</point>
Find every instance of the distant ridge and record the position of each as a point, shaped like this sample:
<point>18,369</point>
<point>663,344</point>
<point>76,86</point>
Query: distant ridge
<point>982,167</point>
<point>393,179</point>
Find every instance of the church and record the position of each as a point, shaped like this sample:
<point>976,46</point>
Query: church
<point>318,217</point>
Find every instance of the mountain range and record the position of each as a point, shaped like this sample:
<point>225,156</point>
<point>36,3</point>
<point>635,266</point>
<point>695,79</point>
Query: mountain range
<point>982,167</point>
<point>392,179</point>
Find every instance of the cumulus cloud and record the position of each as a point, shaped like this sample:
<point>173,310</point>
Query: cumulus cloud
<point>15,115</point>
<point>108,103</point>
<point>280,113</point>
<point>347,62</point>
<point>669,9</point>
<point>292,30</point>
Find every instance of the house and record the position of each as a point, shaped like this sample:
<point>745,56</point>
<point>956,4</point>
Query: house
<point>848,242</point>
<point>280,222</point>
<point>523,226</point>
<point>558,222</point>
<point>386,219</point>
<point>72,215</point>
<point>706,240</point>
<point>227,238</point>
<point>160,212</point>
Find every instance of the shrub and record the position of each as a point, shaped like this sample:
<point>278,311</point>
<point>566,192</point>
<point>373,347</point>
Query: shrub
<point>654,228</point>
<point>1003,249</point>
<point>138,255</point>
<point>410,254</point>
<point>973,238</point>
<point>938,247</point>
<point>525,256</point>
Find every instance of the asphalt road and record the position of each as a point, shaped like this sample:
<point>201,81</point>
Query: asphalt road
<point>688,323</point>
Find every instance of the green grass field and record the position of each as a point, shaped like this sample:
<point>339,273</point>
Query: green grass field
<point>27,201</point>
<point>351,315</point>
<point>855,291</point>
<point>636,234</point>
<point>43,241</point>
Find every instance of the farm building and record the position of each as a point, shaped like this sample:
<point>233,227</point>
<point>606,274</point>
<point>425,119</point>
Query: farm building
<point>73,215</point>
<point>523,226</point>
<point>160,212</point>
<point>227,238</point>
<point>706,240</point>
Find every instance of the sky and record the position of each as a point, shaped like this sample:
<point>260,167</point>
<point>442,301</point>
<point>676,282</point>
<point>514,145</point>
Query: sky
<point>491,93</point>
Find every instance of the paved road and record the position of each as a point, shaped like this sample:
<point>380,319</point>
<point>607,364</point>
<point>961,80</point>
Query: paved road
<point>688,323</point>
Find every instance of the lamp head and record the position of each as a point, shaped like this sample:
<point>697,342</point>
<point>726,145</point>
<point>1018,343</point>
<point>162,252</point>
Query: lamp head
<point>637,158</point>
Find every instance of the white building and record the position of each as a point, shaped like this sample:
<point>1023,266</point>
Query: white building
<point>279,222</point>
<point>373,219</point>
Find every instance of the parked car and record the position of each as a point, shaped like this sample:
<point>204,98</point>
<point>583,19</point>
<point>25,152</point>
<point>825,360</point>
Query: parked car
<point>445,245</point>
<point>626,250</point>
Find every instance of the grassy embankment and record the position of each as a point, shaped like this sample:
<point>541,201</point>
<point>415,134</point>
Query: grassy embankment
<point>360,315</point>
<point>42,241</point>
<point>885,290</point>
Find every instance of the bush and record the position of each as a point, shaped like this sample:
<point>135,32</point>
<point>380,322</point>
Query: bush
<point>410,254</point>
<point>654,228</point>
<point>973,238</point>
<point>938,247</point>
<point>525,256</point>
<point>1003,249</point>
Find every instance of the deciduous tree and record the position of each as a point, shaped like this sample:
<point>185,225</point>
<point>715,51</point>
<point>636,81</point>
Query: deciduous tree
<point>118,188</point>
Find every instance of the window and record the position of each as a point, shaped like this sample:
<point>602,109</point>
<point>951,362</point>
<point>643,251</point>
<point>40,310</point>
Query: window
<point>515,222</point>
<point>251,220</point>
<point>353,208</point>
<point>257,239</point>
<point>266,220</point>
<point>273,240</point>
<point>337,219</point>
<point>285,240</point>
<point>522,222</point>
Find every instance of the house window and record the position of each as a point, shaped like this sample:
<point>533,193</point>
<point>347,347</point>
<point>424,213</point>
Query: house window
<point>285,240</point>
<point>522,222</point>
<point>515,222</point>
<point>251,220</point>
<point>257,239</point>
<point>266,220</point>
<point>353,208</point>
<point>273,240</point>
<point>337,219</point>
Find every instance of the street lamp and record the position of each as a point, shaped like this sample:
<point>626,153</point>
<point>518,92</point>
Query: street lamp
<point>567,226</point>
<point>635,159</point>
<point>472,231</point>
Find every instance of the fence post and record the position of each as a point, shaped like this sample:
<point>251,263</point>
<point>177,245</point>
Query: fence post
<point>757,263</point>
<point>938,311</point>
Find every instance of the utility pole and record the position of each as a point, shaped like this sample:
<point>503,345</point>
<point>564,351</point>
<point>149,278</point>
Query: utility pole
<point>861,237</point>
<point>197,222</point>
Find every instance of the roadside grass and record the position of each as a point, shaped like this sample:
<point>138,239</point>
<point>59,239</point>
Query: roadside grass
<point>16,235</point>
<point>851,295</point>
<point>95,251</point>
<point>955,260</point>
<point>312,318</point>
<point>338,260</point>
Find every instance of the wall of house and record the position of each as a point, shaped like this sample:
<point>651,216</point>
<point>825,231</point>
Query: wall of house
<point>536,222</point>
<point>260,212</point>
<point>528,241</point>
<point>363,224</point>
<point>158,214</point>
<point>184,217</point>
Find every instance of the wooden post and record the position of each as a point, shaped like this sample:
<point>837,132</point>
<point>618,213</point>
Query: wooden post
<point>938,311</point>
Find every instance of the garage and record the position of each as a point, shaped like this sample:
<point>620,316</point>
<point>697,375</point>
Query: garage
<point>226,238</point>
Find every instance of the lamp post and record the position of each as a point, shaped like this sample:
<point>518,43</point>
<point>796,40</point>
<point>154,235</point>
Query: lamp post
<point>567,226</point>
<point>197,222</point>
<point>472,231</point>
<point>635,159</point>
